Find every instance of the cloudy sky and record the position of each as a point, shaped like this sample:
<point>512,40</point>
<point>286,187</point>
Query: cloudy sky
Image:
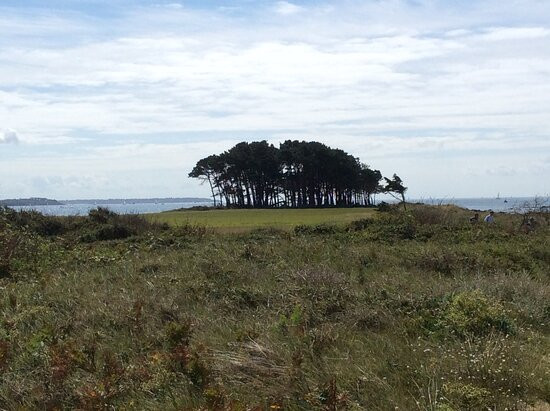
<point>120,98</point>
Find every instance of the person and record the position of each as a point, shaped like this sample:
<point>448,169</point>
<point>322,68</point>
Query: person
<point>490,218</point>
<point>474,219</point>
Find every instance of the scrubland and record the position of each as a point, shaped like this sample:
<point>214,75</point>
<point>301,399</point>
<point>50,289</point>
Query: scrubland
<point>414,309</point>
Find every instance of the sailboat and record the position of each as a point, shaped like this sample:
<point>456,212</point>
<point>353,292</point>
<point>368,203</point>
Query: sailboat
<point>498,196</point>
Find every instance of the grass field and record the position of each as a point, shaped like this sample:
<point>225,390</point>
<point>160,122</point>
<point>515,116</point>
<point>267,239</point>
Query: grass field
<point>243,220</point>
<point>415,310</point>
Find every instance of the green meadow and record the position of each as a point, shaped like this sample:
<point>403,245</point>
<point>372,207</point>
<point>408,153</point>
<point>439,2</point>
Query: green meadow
<point>247,219</point>
<point>297,310</point>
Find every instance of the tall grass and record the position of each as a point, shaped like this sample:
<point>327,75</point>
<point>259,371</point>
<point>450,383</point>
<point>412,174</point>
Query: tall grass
<point>414,310</point>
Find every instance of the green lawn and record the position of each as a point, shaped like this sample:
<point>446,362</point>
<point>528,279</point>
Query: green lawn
<point>242,220</point>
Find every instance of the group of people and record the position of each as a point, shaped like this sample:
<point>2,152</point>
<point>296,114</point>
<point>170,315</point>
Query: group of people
<point>528,224</point>
<point>489,218</point>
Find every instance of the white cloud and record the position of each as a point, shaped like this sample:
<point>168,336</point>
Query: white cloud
<point>285,8</point>
<point>515,33</point>
<point>8,136</point>
<point>175,6</point>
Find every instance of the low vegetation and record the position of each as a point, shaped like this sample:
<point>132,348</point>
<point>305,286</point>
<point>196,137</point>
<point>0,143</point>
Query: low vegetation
<point>415,309</point>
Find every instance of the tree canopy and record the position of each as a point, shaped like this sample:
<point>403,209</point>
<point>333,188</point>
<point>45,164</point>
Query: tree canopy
<point>296,174</point>
<point>395,188</point>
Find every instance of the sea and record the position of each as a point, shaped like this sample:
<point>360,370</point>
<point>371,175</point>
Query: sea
<point>128,208</point>
<point>510,204</point>
<point>501,204</point>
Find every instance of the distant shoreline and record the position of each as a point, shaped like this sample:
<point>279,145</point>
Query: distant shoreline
<point>17,202</point>
<point>28,202</point>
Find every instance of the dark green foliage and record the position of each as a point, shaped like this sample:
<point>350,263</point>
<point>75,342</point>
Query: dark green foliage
<point>107,232</point>
<point>317,229</point>
<point>179,333</point>
<point>466,396</point>
<point>51,227</point>
<point>101,215</point>
<point>34,221</point>
<point>384,207</point>
<point>361,224</point>
<point>395,187</point>
<point>463,315</point>
<point>472,313</point>
<point>101,224</point>
<point>297,174</point>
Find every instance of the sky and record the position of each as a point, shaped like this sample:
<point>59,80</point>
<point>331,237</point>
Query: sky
<point>120,98</point>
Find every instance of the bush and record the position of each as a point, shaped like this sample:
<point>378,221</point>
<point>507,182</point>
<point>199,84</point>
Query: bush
<point>400,226</point>
<point>438,260</point>
<point>102,224</point>
<point>384,207</point>
<point>179,333</point>
<point>101,215</point>
<point>472,313</point>
<point>33,221</point>
<point>316,229</point>
<point>8,247</point>
<point>50,227</point>
<point>467,396</point>
<point>361,224</point>
<point>447,215</point>
<point>107,232</point>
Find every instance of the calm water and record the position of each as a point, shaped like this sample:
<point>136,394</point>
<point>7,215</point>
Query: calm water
<point>503,204</point>
<point>510,204</point>
<point>136,208</point>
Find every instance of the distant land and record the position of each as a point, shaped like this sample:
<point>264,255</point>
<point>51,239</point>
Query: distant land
<point>46,201</point>
<point>138,200</point>
<point>34,201</point>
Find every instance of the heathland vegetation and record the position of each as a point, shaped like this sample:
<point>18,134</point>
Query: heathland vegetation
<point>297,174</point>
<point>397,309</point>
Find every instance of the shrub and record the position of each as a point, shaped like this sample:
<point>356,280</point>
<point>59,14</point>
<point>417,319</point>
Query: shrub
<point>179,333</point>
<point>441,261</point>
<point>316,229</point>
<point>137,223</point>
<point>399,226</point>
<point>50,227</point>
<point>467,396</point>
<point>8,248</point>
<point>107,232</point>
<point>448,215</point>
<point>472,313</point>
<point>101,215</point>
<point>33,221</point>
<point>360,224</point>
<point>189,230</point>
<point>384,207</point>
<point>103,224</point>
